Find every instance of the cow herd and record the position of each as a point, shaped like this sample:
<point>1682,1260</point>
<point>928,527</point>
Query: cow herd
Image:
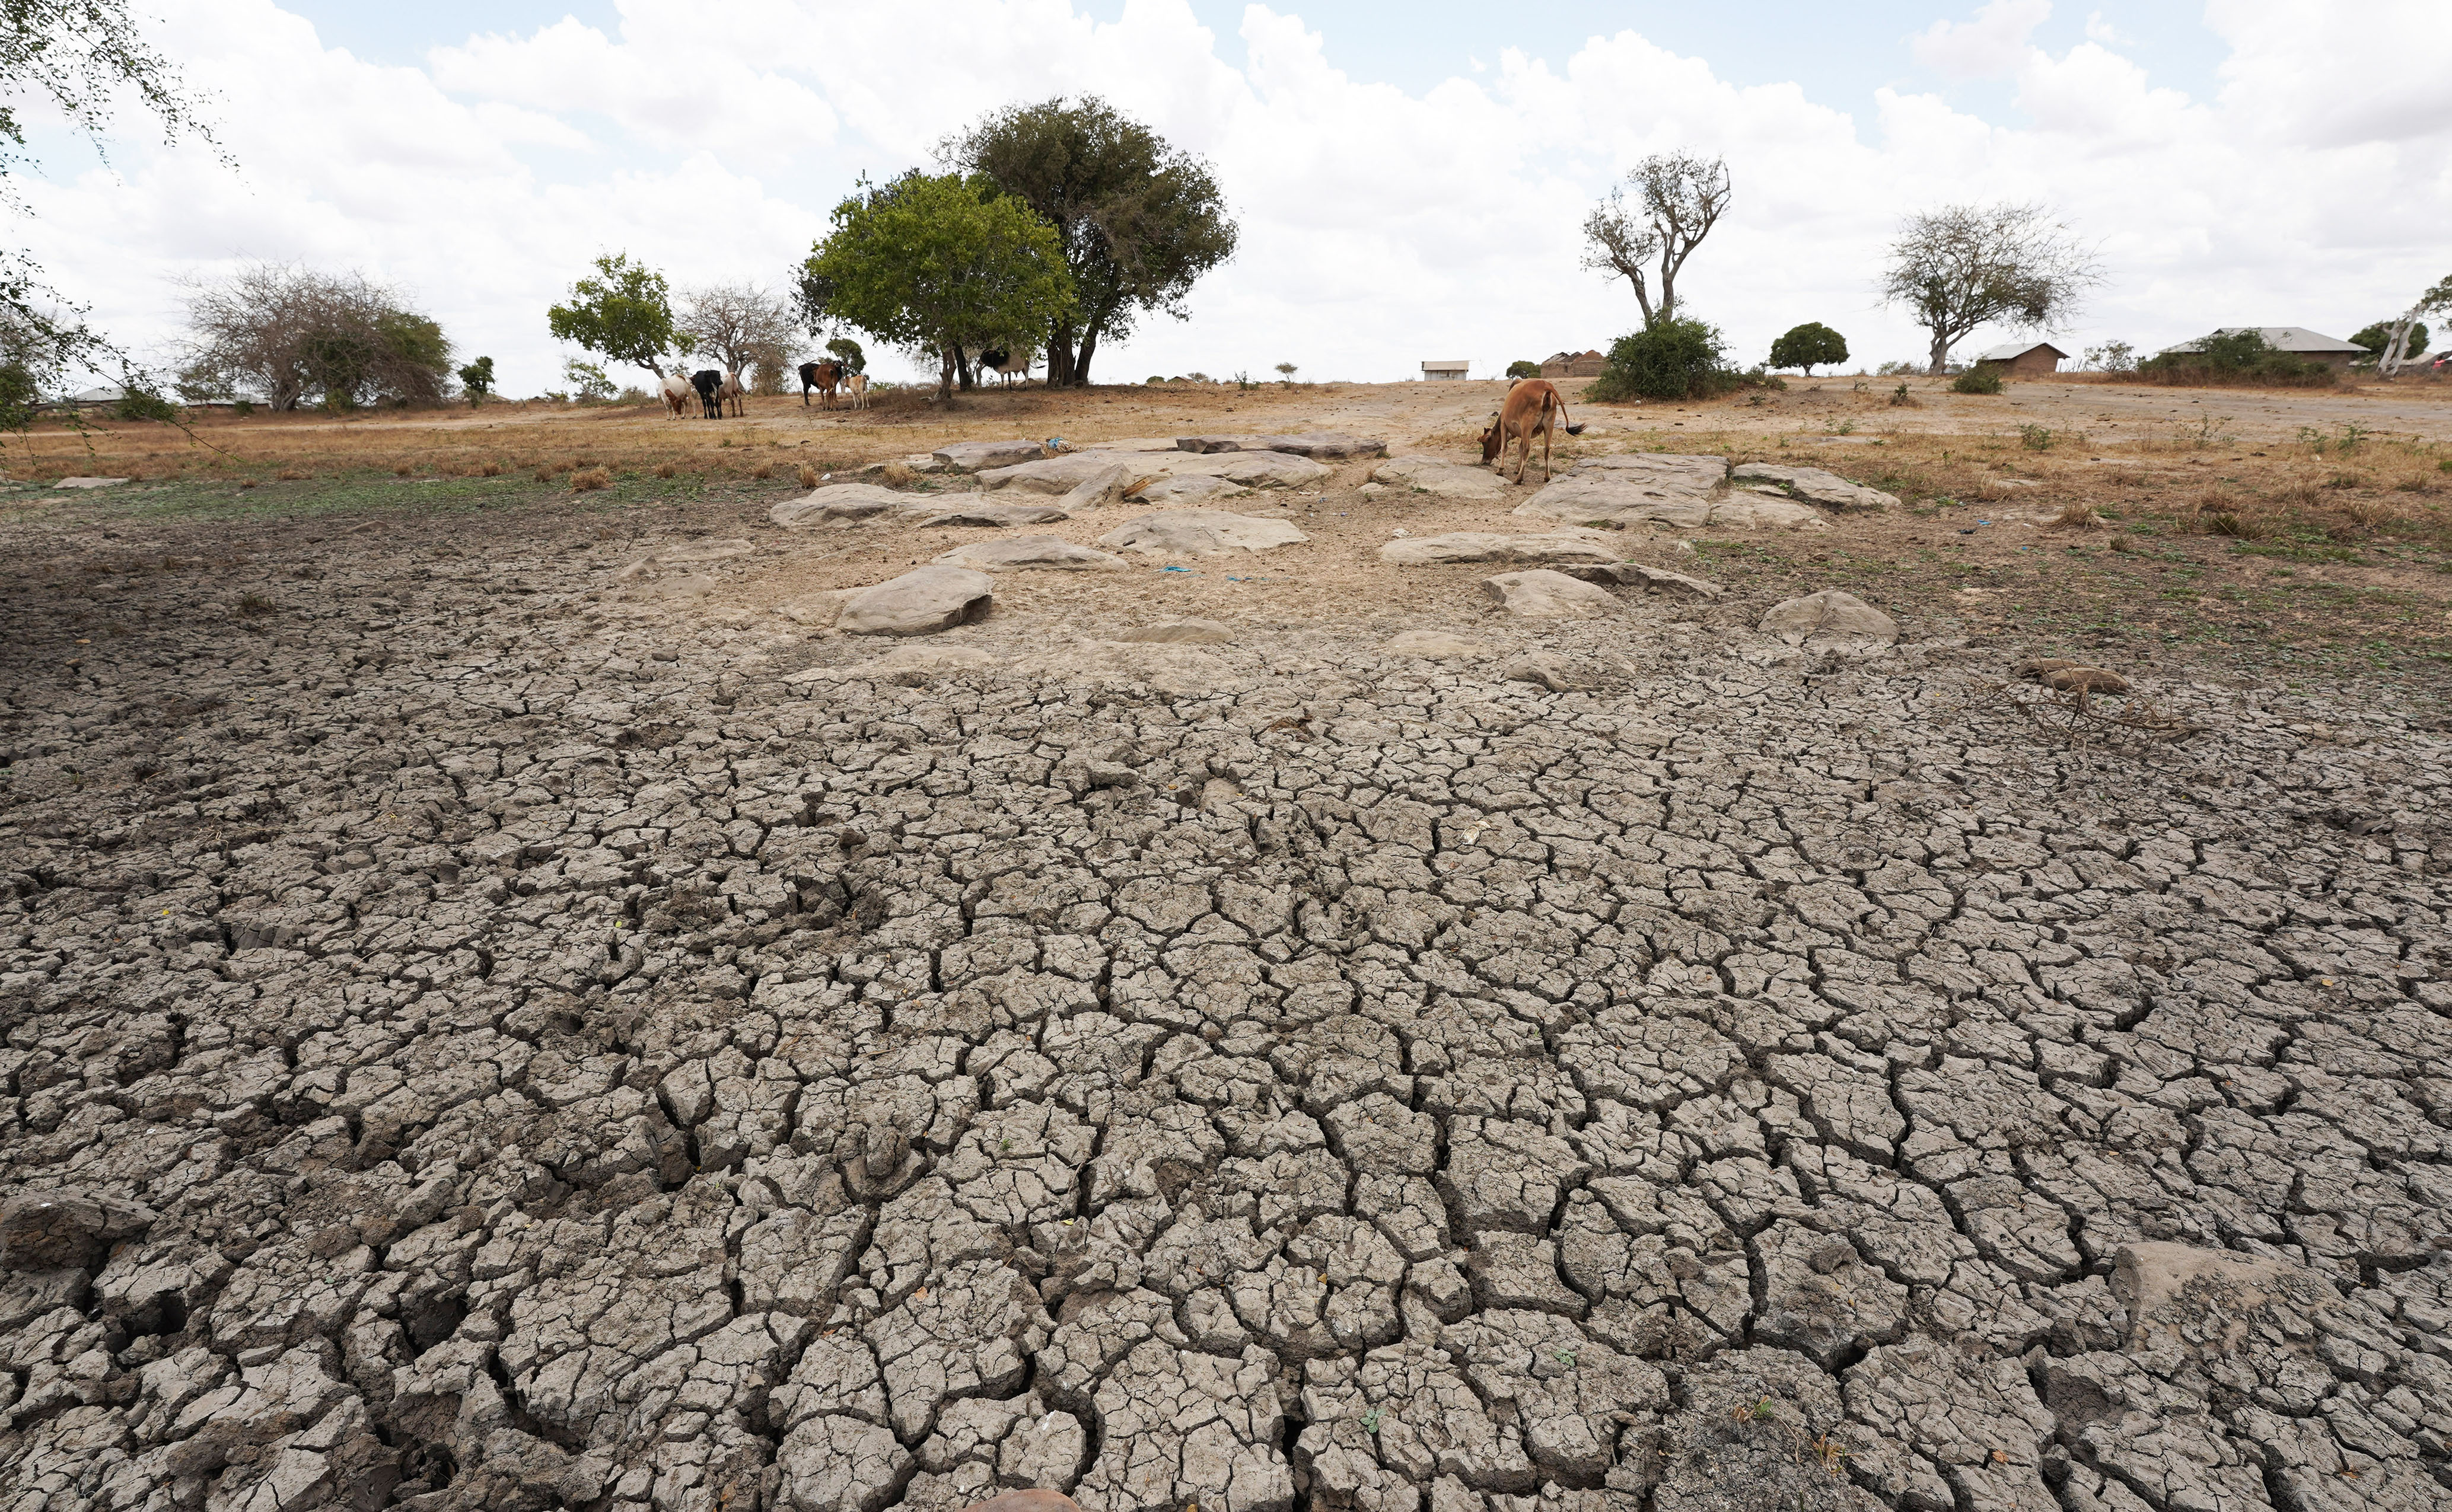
<point>717,390</point>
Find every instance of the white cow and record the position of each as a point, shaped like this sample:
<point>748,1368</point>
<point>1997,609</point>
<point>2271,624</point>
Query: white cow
<point>677,393</point>
<point>732,391</point>
<point>857,386</point>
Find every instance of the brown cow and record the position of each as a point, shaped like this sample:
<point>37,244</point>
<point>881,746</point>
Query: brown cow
<point>821,376</point>
<point>1533,408</point>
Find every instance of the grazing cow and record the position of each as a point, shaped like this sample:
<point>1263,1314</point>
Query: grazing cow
<point>1007,365</point>
<point>1533,409</point>
<point>731,392</point>
<point>677,393</point>
<point>821,376</point>
<point>858,385</point>
<point>710,384</point>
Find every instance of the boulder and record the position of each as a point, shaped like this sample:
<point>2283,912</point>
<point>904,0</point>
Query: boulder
<point>1010,552</point>
<point>1178,492</point>
<point>1540,594</point>
<point>1651,579</point>
<point>66,1231</point>
<point>1254,469</point>
<point>920,602</point>
<point>1063,472</point>
<point>1814,486</point>
<point>1332,446</point>
<point>1437,645</point>
<point>1546,668</point>
<point>2070,676</point>
<point>1565,545</point>
<point>970,512</point>
<point>1440,479</point>
<point>1199,533</point>
<point>835,502</point>
<point>1831,614</point>
<point>979,456</point>
<point>1106,487</point>
<point>1620,497</point>
<point>1182,632</point>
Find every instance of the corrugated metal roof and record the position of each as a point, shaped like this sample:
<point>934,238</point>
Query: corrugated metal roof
<point>2281,338</point>
<point>1459,361</point>
<point>2013,350</point>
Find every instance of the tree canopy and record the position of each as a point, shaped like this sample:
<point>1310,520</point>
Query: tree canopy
<point>2378,337</point>
<point>290,335</point>
<point>1138,222</point>
<point>1963,266</point>
<point>1808,345</point>
<point>623,310</point>
<point>940,264</point>
<point>1678,198</point>
<point>740,325</point>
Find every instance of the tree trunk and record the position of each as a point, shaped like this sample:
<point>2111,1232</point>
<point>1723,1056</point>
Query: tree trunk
<point>1081,362</point>
<point>963,365</point>
<point>1940,352</point>
<point>946,375</point>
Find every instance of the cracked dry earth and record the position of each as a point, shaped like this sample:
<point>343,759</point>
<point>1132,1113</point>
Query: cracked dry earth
<point>474,1047</point>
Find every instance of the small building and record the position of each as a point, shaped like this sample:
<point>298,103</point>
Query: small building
<point>2022,360</point>
<point>1573,364</point>
<point>1445,369</point>
<point>2297,341</point>
<point>106,394</point>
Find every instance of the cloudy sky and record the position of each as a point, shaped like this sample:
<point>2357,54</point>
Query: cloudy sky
<point>1410,178</point>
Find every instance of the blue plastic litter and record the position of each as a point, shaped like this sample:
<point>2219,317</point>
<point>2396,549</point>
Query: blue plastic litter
<point>1983,522</point>
<point>1055,443</point>
<point>1175,569</point>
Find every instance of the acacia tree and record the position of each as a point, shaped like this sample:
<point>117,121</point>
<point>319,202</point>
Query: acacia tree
<point>1140,222</point>
<point>940,264</point>
<point>85,57</point>
<point>1968,265</point>
<point>624,311</point>
<point>287,335</point>
<point>740,325</point>
<point>1678,198</point>
<point>2436,301</point>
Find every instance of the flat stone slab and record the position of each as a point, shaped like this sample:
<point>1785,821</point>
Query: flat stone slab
<point>1066,471</point>
<point>970,512</point>
<point>979,456</point>
<point>1199,533</point>
<point>1106,487</point>
<point>921,602</point>
<point>1620,497</point>
<point>1833,613</point>
<point>1540,594</point>
<point>1319,445</point>
<point>1651,579</point>
<point>1465,545</point>
<point>89,482</point>
<point>1029,552</point>
<point>1182,492</point>
<point>1546,668</point>
<point>836,504</point>
<point>1440,479</point>
<point>1814,486</point>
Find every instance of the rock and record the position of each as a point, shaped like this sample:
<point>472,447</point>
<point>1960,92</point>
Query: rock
<point>1651,579</point>
<point>979,456</point>
<point>1833,613</point>
<point>1031,552</point>
<point>921,602</point>
<point>990,515</point>
<point>817,610</point>
<point>1440,479</point>
<point>66,1231</point>
<point>1181,491</point>
<point>1065,471</point>
<point>1102,488</point>
<point>834,503</point>
<point>1569,546</point>
<point>1541,593</point>
<point>1199,533</point>
<point>1182,632</point>
<point>1437,645</point>
<point>1334,445</point>
<point>1253,469</point>
<point>1551,671</point>
<point>2204,1301</point>
<point>1814,486</point>
<point>89,482</point>
<point>1646,487</point>
<point>686,553</point>
<point>2071,677</point>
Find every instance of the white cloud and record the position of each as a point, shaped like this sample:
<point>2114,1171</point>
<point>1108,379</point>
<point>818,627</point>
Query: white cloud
<point>2099,29</point>
<point>1379,226</point>
<point>1991,44</point>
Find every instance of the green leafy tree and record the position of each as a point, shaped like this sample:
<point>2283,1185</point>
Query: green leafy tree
<point>142,404</point>
<point>623,311</point>
<point>290,335</point>
<point>1968,265</point>
<point>940,263</point>
<point>1523,370</point>
<point>1677,358</point>
<point>587,380</point>
<point>846,352</point>
<point>1138,221</point>
<point>1810,344</point>
<point>2379,336</point>
<point>2436,301</point>
<point>478,379</point>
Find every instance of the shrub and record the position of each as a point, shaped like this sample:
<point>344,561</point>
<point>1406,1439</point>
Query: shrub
<point>142,404</point>
<point>2235,356</point>
<point>2035,437</point>
<point>20,396</point>
<point>1809,344</point>
<point>588,480</point>
<point>1897,369</point>
<point>2112,357</point>
<point>665,469</point>
<point>490,470</point>
<point>1681,358</point>
<point>2379,336</point>
<point>1523,370</point>
<point>242,409</point>
<point>1153,379</point>
<point>1901,399</point>
<point>1977,380</point>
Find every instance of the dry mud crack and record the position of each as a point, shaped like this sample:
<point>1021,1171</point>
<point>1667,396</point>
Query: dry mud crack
<point>472,1047</point>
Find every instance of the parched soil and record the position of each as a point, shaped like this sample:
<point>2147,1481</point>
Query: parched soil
<point>490,1019</point>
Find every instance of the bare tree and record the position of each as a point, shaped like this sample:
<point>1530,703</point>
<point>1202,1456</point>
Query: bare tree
<point>284,334</point>
<point>740,325</point>
<point>2435,301</point>
<point>1965,265</point>
<point>1678,198</point>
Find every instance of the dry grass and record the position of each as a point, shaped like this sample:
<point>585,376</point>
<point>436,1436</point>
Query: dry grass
<point>2372,513</point>
<point>588,480</point>
<point>896,475</point>
<point>291,475</point>
<point>2078,517</point>
<point>666,470</point>
<point>808,475</point>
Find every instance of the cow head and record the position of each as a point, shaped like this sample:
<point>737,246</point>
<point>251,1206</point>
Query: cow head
<point>1489,442</point>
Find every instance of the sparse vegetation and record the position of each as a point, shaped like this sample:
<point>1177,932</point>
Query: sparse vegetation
<point>1977,380</point>
<point>588,480</point>
<point>1675,357</point>
<point>2035,437</point>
